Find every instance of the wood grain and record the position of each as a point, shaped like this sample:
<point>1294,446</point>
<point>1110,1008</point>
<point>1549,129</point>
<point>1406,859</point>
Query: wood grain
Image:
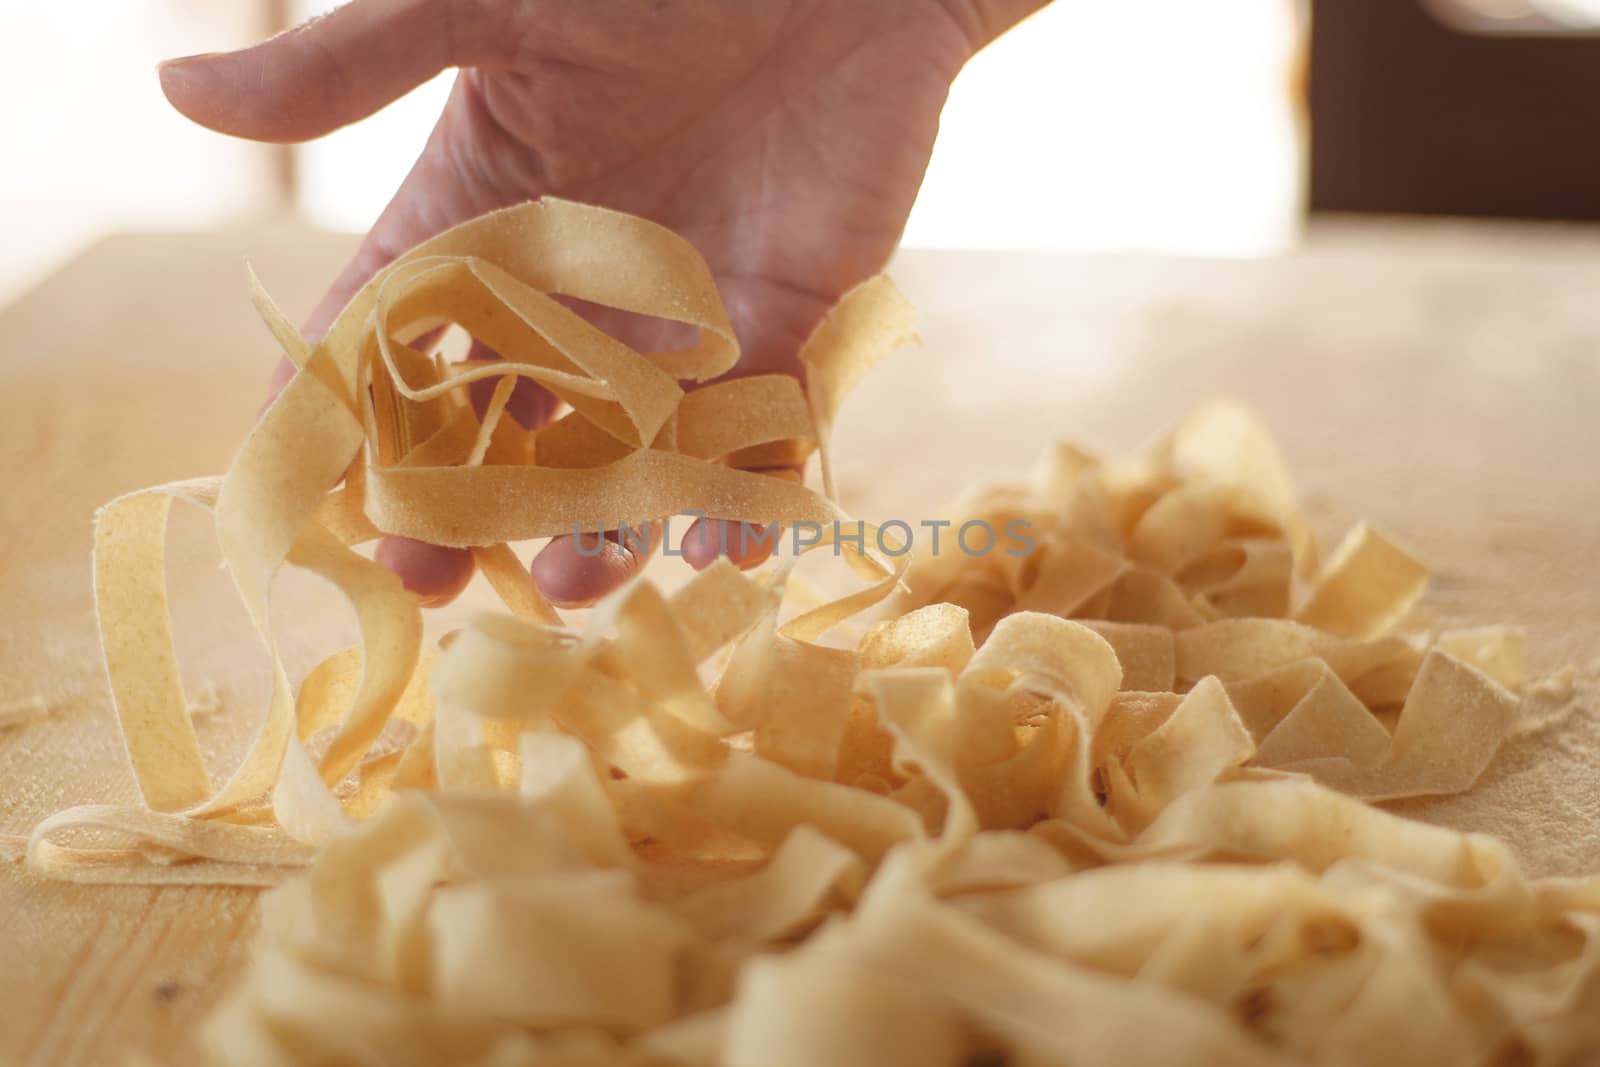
<point>1440,378</point>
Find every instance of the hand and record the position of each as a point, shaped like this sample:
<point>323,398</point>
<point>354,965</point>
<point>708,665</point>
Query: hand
<point>786,140</point>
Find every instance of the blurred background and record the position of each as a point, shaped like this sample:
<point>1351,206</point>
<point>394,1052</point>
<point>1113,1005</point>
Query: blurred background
<point>1150,125</point>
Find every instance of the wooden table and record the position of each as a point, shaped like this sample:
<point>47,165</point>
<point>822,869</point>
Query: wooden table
<point>1440,378</point>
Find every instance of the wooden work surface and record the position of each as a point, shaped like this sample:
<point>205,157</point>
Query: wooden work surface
<point>1442,379</point>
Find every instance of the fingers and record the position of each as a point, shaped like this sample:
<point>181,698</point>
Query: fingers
<point>745,544</point>
<point>573,572</point>
<point>317,77</point>
<point>435,574</point>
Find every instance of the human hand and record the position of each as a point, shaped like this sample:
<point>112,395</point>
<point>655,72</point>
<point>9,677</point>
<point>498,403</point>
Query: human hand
<point>785,140</point>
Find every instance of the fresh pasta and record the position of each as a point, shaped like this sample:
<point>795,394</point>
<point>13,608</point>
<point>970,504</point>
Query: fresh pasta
<point>1111,801</point>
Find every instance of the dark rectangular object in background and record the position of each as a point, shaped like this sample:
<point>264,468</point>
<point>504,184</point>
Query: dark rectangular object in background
<point>1411,115</point>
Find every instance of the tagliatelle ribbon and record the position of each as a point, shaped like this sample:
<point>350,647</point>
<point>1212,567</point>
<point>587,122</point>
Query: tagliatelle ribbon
<point>1100,802</point>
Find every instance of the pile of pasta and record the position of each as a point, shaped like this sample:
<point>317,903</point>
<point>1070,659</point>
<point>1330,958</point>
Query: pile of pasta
<point>1107,802</point>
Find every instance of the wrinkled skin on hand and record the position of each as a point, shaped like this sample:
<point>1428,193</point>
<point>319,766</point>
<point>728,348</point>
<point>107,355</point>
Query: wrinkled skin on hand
<point>786,140</point>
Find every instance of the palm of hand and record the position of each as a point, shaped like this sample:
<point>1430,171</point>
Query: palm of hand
<point>787,145</point>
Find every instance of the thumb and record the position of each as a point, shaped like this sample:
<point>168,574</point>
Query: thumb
<point>326,73</point>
